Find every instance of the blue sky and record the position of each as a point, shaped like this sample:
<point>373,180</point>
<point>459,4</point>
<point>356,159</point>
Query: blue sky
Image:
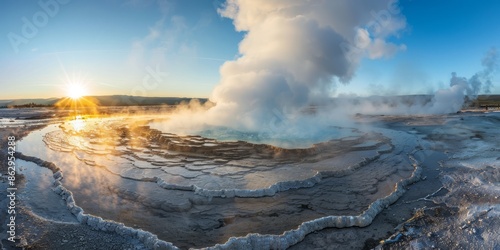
<point>441,37</point>
<point>175,48</point>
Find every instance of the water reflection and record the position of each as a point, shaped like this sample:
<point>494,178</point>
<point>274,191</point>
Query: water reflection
<point>78,124</point>
<point>125,171</point>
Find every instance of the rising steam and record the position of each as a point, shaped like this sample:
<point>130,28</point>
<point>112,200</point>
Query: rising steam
<point>293,54</point>
<point>294,51</point>
<point>452,99</point>
<point>444,101</point>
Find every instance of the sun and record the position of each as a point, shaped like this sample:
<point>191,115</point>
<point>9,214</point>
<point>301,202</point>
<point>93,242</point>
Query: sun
<point>75,90</point>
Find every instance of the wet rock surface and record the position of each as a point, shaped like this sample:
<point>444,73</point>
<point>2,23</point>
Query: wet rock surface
<point>210,190</point>
<point>341,193</point>
<point>38,233</point>
<point>453,206</point>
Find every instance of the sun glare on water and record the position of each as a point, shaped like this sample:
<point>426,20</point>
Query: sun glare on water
<point>78,123</point>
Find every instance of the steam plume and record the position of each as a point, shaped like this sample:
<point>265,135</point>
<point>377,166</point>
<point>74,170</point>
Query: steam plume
<point>293,54</point>
<point>452,99</point>
<point>294,51</point>
<point>443,101</point>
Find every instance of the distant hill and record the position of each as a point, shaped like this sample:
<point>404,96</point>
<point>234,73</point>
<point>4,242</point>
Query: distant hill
<point>125,100</point>
<point>487,100</point>
<point>19,102</point>
<point>114,100</point>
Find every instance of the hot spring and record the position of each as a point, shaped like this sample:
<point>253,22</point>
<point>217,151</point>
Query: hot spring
<point>201,188</point>
<point>284,137</point>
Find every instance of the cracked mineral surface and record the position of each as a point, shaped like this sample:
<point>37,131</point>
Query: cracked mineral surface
<point>192,191</point>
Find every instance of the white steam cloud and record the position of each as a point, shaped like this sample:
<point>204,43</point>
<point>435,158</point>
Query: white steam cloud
<point>452,99</point>
<point>293,54</point>
<point>294,51</point>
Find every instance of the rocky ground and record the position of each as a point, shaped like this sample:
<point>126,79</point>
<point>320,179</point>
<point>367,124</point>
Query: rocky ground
<point>454,205</point>
<point>44,234</point>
